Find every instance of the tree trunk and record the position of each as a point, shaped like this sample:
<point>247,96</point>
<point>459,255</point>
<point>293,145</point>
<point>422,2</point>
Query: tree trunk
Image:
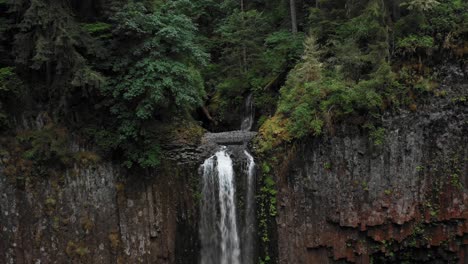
<point>207,114</point>
<point>244,49</point>
<point>292,4</point>
<point>396,10</point>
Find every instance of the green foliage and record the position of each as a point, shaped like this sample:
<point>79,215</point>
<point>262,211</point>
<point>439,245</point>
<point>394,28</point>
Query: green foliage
<point>376,134</point>
<point>430,25</point>
<point>252,51</point>
<point>238,49</point>
<point>298,100</point>
<point>242,33</point>
<point>50,41</point>
<point>97,29</point>
<point>283,49</point>
<point>11,88</point>
<point>157,74</point>
<point>146,156</point>
<point>127,69</point>
<point>160,71</point>
<point>365,186</point>
<point>267,210</point>
<point>7,77</point>
<point>412,43</point>
<point>268,189</point>
<point>455,181</point>
<point>265,260</point>
<point>347,69</point>
<point>43,152</point>
<point>310,103</point>
<point>47,146</point>
<point>420,5</point>
<point>266,168</point>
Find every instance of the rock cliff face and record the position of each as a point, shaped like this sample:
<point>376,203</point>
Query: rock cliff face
<point>98,214</point>
<point>101,213</point>
<point>342,198</point>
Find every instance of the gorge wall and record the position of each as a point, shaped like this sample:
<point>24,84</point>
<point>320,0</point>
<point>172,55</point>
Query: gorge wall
<point>345,199</point>
<point>98,214</point>
<point>341,199</point>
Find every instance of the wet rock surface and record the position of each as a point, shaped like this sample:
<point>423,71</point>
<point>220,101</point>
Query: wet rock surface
<point>184,153</point>
<point>236,142</point>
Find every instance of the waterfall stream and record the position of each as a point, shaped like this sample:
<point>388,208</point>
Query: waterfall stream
<point>220,229</point>
<point>249,228</point>
<point>219,235</point>
<point>248,120</point>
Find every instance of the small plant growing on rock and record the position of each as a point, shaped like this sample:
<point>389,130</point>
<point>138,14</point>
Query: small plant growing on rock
<point>365,186</point>
<point>455,181</point>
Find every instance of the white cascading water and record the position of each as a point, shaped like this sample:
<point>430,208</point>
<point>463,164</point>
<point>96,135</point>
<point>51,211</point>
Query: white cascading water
<point>248,120</point>
<point>248,246</point>
<point>208,223</point>
<point>219,236</point>
<point>249,228</point>
<point>218,226</point>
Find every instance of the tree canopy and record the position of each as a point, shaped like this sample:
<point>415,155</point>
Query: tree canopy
<point>120,72</point>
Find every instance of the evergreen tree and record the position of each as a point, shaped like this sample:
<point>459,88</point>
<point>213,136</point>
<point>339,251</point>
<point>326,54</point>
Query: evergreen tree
<point>51,43</point>
<point>157,71</point>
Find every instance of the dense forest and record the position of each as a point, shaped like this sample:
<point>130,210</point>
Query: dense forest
<point>119,73</point>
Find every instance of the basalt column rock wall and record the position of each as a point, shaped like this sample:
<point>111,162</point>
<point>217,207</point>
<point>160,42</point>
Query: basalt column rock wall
<point>344,199</point>
<point>98,214</point>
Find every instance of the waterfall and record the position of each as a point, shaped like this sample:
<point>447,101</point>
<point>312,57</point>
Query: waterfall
<point>219,233</point>
<point>208,228</point>
<point>248,119</point>
<point>249,228</point>
<point>248,246</point>
<point>218,229</point>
